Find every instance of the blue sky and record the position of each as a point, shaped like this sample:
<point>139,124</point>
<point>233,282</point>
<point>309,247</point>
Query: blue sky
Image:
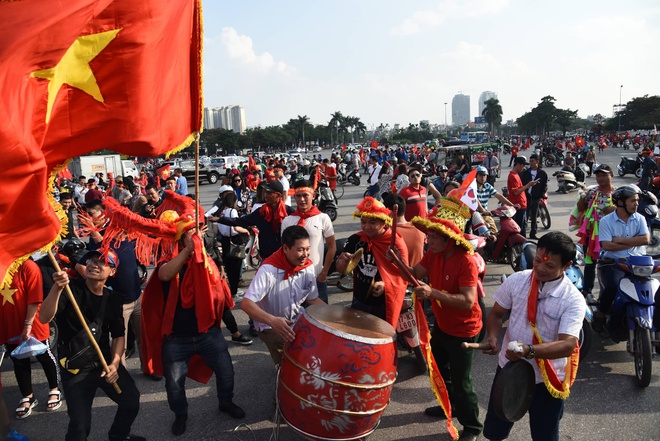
<point>388,61</point>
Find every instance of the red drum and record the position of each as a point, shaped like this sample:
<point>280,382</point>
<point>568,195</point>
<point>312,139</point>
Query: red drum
<point>336,377</point>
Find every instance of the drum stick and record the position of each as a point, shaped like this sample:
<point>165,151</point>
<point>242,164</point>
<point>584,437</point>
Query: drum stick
<point>395,215</point>
<point>482,345</point>
<point>83,322</point>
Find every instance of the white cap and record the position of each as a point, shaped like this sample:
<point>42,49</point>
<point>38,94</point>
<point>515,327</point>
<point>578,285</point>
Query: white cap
<point>225,188</point>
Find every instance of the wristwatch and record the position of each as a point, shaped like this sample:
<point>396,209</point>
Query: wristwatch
<point>531,353</point>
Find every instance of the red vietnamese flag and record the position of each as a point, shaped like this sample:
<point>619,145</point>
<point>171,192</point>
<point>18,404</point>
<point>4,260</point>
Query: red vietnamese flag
<point>85,75</point>
<point>163,173</point>
<point>374,144</point>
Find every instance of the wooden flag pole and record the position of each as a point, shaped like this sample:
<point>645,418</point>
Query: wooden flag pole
<point>81,317</point>
<point>197,221</point>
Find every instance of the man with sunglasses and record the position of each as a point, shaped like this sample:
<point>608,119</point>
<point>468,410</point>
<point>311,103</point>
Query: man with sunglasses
<point>414,194</point>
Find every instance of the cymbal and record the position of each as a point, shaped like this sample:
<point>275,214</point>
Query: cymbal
<point>354,261</point>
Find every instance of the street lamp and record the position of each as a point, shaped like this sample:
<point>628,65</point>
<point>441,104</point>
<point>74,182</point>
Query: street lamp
<point>620,88</point>
<point>445,116</point>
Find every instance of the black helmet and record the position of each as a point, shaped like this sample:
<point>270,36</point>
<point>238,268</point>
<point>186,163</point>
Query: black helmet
<point>623,193</point>
<point>74,249</point>
<point>443,168</point>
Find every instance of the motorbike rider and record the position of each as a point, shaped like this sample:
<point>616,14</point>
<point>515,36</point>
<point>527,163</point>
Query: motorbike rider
<point>492,163</point>
<point>623,233</point>
<point>535,193</point>
<point>569,162</point>
<point>484,191</point>
<point>436,187</point>
<point>598,199</point>
<point>649,167</point>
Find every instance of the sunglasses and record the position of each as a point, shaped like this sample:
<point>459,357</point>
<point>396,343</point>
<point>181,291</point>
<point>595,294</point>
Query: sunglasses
<point>415,175</point>
<point>238,180</point>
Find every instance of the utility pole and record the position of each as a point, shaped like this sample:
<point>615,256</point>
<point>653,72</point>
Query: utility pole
<point>620,88</point>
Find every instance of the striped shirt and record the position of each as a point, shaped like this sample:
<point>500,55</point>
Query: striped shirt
<point>484,193</point>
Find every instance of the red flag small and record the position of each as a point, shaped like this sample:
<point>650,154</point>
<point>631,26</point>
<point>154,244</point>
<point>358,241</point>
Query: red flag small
<point>163,173</point>
<point>317,177</point>
<point>374,144</point>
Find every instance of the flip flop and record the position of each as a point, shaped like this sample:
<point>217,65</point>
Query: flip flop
<point>24,412</point>
<point>57,401</point>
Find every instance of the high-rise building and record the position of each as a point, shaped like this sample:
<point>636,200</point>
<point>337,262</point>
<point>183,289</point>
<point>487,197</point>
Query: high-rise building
<point>228,117</point>
<point>460,109</point>
<point>485,96</point>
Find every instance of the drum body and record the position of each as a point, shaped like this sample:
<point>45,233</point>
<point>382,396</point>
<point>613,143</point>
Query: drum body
<point>336,377</point>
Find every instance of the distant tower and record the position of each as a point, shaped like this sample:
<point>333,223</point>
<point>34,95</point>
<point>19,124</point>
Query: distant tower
<point>460,109</point>
<point>485,96</point>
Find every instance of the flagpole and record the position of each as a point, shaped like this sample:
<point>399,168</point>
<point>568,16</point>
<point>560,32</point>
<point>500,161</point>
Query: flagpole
<point>197,181</point>
<point>79,313</point>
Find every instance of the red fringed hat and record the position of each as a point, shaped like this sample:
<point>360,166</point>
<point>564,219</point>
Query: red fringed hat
<point>448,218</point>
<point>370,207</point>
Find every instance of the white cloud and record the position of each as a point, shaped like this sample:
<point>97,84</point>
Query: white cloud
<point>240,48</point>
<point>454,9</point>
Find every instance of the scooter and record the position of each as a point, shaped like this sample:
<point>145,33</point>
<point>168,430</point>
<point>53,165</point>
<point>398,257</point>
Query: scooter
<point>553,159</point>
<point>631,315</point>
<point>344,175</point>
<point>509,240</point>
<point>325,200</point>
<point>630,166</point>
<point>648,207</point>
<point>574,273</point>
<point>568,181</point>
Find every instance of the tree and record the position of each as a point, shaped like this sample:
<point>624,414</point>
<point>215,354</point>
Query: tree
<point>639,113</point>
<point>565,118</point>
<point>302,120</point>
<point>335,121</point>
<point>493,114</point>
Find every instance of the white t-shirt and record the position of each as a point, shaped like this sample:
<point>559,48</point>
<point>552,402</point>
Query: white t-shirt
<point>279,297</point>
<point>318,227</point>
<point>560,310</point>
<point>226,230</point>
<point>285,189</point>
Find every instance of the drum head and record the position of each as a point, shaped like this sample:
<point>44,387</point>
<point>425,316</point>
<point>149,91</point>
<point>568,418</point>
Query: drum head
<point>354,261</point>
<point>513,390</point>
<point>351,321</point>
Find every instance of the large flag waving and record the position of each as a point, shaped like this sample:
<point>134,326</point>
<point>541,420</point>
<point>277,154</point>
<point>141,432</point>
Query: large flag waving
<point>85,75</point>
<point>468,190</point>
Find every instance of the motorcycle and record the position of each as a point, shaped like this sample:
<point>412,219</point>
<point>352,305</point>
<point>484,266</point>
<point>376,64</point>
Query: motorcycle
<point>631,315</point>
<point>509,240</point>
<point>553,159</point>
<point>630,166</point>
<point>325,200</point>
<point>408,333</point>
<point>544,213</point>
<point>344,175</point>
<point>568,181</point>
<point>648,207</point>
<point>574,273</point>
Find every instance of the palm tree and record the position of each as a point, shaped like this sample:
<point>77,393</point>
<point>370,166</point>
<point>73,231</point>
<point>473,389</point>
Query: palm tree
<point>360,128</point>
<point>493,114</point>
<point>335,121</point>
<point>302,120</point>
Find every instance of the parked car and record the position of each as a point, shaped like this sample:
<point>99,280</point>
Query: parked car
<point>207,171</point>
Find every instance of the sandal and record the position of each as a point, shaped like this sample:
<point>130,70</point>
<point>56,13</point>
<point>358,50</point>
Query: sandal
<point>53,405</point>
<point>24,412</point>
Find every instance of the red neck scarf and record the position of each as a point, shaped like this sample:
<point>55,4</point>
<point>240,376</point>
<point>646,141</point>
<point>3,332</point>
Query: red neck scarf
<point>314,211</point>
<point>276,216</point>
<point>395,284</point>
<point>278,260</point>
<point>556,388</point>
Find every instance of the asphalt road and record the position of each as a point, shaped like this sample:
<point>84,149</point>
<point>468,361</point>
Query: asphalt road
<point>604,402</point>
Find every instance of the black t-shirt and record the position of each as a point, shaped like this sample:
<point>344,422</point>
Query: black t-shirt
<point>364,273</point>
<point>126,280</point>
<point>68,323</point>
<point>185,319</point>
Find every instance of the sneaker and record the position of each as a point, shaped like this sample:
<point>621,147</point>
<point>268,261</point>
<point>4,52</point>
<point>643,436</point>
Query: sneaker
<point>253,332</point>
<point>233,410</point>
<point>179,424</point>
<point>242,340</point>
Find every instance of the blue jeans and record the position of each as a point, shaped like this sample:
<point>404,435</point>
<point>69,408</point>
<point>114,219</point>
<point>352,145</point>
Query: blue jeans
<point>212,347</point>
<point>609,276</point>
<point>322,287</point>
<point>372,190</point>
<point>521,219</point>
<point>545,412</point>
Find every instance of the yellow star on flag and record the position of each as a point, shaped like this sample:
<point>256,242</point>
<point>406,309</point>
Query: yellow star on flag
<point>73,69</point>
<point>7,294</point>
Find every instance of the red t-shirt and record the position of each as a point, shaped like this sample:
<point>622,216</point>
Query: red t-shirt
<point>270,175</point>
<point>415,201</point>
<point>513,182</point>
<point>449,274</point>
<point>514,151</point>
<point>28,285</point>
<point>331,172</point>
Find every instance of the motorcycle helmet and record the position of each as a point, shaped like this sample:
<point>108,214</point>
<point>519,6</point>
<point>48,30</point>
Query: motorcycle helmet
<point>623,193</point>
<point>74,249</point>
<point>481,170</point>
<point>443,168</point>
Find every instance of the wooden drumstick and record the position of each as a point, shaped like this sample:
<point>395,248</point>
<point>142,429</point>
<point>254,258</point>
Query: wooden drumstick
<point>482,345</point>
<point>395,211</point>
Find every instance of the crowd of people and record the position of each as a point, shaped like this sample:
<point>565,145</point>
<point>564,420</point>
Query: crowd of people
<point>276,196</point>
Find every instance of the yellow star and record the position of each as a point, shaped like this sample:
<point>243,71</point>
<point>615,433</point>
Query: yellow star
<point>7,294</point>
<point>73,69</point>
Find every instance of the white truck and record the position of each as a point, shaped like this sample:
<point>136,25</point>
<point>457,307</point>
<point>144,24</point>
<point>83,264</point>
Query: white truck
<point>90,165</point>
